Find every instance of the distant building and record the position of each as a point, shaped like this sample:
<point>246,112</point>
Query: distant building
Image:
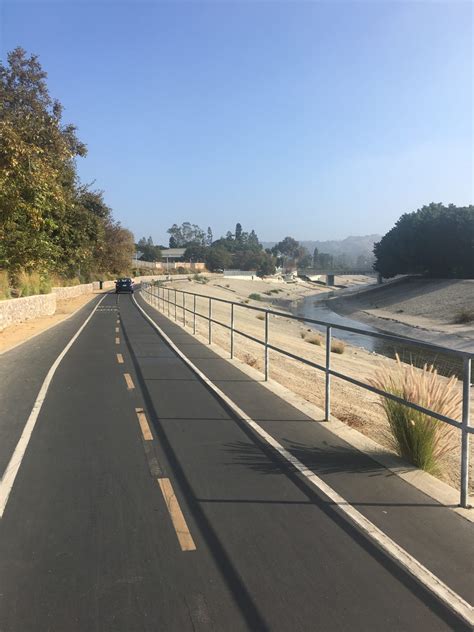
<point>172,259</point>
<point>173,254</point>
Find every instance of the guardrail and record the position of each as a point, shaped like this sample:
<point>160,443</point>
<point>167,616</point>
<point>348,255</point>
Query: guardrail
<point>162,296</point>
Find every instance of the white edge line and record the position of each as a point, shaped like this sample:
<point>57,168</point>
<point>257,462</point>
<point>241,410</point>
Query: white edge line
<point>16,459</point>
<point>415,568</point>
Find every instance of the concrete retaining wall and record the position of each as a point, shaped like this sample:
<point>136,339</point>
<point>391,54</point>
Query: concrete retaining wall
<point>18,310</point>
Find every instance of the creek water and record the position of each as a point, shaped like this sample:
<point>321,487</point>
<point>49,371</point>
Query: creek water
<point>317,309</point>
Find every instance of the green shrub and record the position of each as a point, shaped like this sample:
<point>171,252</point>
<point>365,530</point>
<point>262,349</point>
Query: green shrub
<point>255,297</point>
<point>417,437</point>
<point>45,285</point>
<point>28,283</point>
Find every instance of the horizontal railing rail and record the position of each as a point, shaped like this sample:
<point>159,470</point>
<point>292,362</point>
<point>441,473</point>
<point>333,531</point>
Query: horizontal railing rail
<point>167,296</point>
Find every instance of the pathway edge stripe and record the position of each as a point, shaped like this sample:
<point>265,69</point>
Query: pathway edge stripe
<point>129,381</point>
<point>416,569</point>
<point>145,428</point>
<point>16,459</point>
<point>183,534</point>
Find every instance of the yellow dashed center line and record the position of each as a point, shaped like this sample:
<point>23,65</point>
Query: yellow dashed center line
<point>116,330</point>
<point>185,539</point>
<point>142,420</point>
<point>119,358</point>
<point>128,379</point>
<point>117,340</point>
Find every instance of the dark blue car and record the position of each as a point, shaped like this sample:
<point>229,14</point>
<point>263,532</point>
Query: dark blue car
<point>124,285</point>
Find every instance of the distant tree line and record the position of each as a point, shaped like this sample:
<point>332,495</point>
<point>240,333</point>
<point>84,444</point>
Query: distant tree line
<point>435,240</point>
<point>241,250</point>
<point>49,221</point>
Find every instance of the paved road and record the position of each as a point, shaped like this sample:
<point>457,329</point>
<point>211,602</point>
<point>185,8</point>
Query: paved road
<point>142,504</point>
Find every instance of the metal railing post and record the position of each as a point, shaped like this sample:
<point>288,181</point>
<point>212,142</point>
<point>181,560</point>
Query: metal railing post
<point>175,301</point>
<point>184,309</point>
<point>231,330</point>
<point>168,301</point>
<point>327,394</point>
<point>210,320</point>
<point>267,358</point>
<point>466,385</point>
<point>194,314</point>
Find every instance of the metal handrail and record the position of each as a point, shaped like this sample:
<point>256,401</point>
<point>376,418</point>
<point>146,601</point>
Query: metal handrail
<point>462,425</point>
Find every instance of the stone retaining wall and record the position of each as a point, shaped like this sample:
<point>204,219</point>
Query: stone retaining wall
<point>17,310</point>
<point>73,290</point>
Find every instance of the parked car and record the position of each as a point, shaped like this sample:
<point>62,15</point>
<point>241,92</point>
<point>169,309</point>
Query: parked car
<point>124,285</point>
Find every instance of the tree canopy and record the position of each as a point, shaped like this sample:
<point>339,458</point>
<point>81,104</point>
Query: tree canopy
<point>49,222</point>
<point>149,251</point>
<point>241,250</point>
<point>187,233</point>
<point>435,240</point>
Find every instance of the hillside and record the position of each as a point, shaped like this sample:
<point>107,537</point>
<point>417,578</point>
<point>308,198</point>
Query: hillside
<point>352,246</point>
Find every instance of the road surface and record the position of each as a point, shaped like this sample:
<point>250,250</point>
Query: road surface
<point>140,502</point>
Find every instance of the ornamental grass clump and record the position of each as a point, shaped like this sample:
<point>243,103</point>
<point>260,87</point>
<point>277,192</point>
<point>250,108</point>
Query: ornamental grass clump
<point>417,437</point>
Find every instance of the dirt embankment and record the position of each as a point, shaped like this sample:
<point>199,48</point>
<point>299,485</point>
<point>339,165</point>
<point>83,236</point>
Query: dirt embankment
<point>356,407</point>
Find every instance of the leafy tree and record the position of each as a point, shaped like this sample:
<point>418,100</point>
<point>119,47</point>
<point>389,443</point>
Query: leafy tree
<point>119,248</point>
<point>253,241</point>
<point>238,233</point>
<point>195,252</point>
<point>435,240</point>
<point>149,251</point>
<point>286,251</point>
<point>266,266</point>
<point>187,233</point>
<point>37,174</point>
<point>288,247</point>
<point>303,258</point>
<point>48,220</point>
<point>209,238</point>
<point>218,258</point>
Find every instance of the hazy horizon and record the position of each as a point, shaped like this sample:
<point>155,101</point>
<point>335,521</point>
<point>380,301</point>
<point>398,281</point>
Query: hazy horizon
<point>318,121</point>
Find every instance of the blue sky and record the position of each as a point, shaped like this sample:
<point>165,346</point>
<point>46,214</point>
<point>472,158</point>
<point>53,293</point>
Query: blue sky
<point>311,119</point>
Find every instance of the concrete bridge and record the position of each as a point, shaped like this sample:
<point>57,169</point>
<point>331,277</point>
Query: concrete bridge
<point>314,274</point>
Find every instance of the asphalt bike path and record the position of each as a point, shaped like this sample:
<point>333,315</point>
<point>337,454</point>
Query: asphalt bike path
<point>435,535</point>
<point>23,369</point>
<point>141,503</point>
